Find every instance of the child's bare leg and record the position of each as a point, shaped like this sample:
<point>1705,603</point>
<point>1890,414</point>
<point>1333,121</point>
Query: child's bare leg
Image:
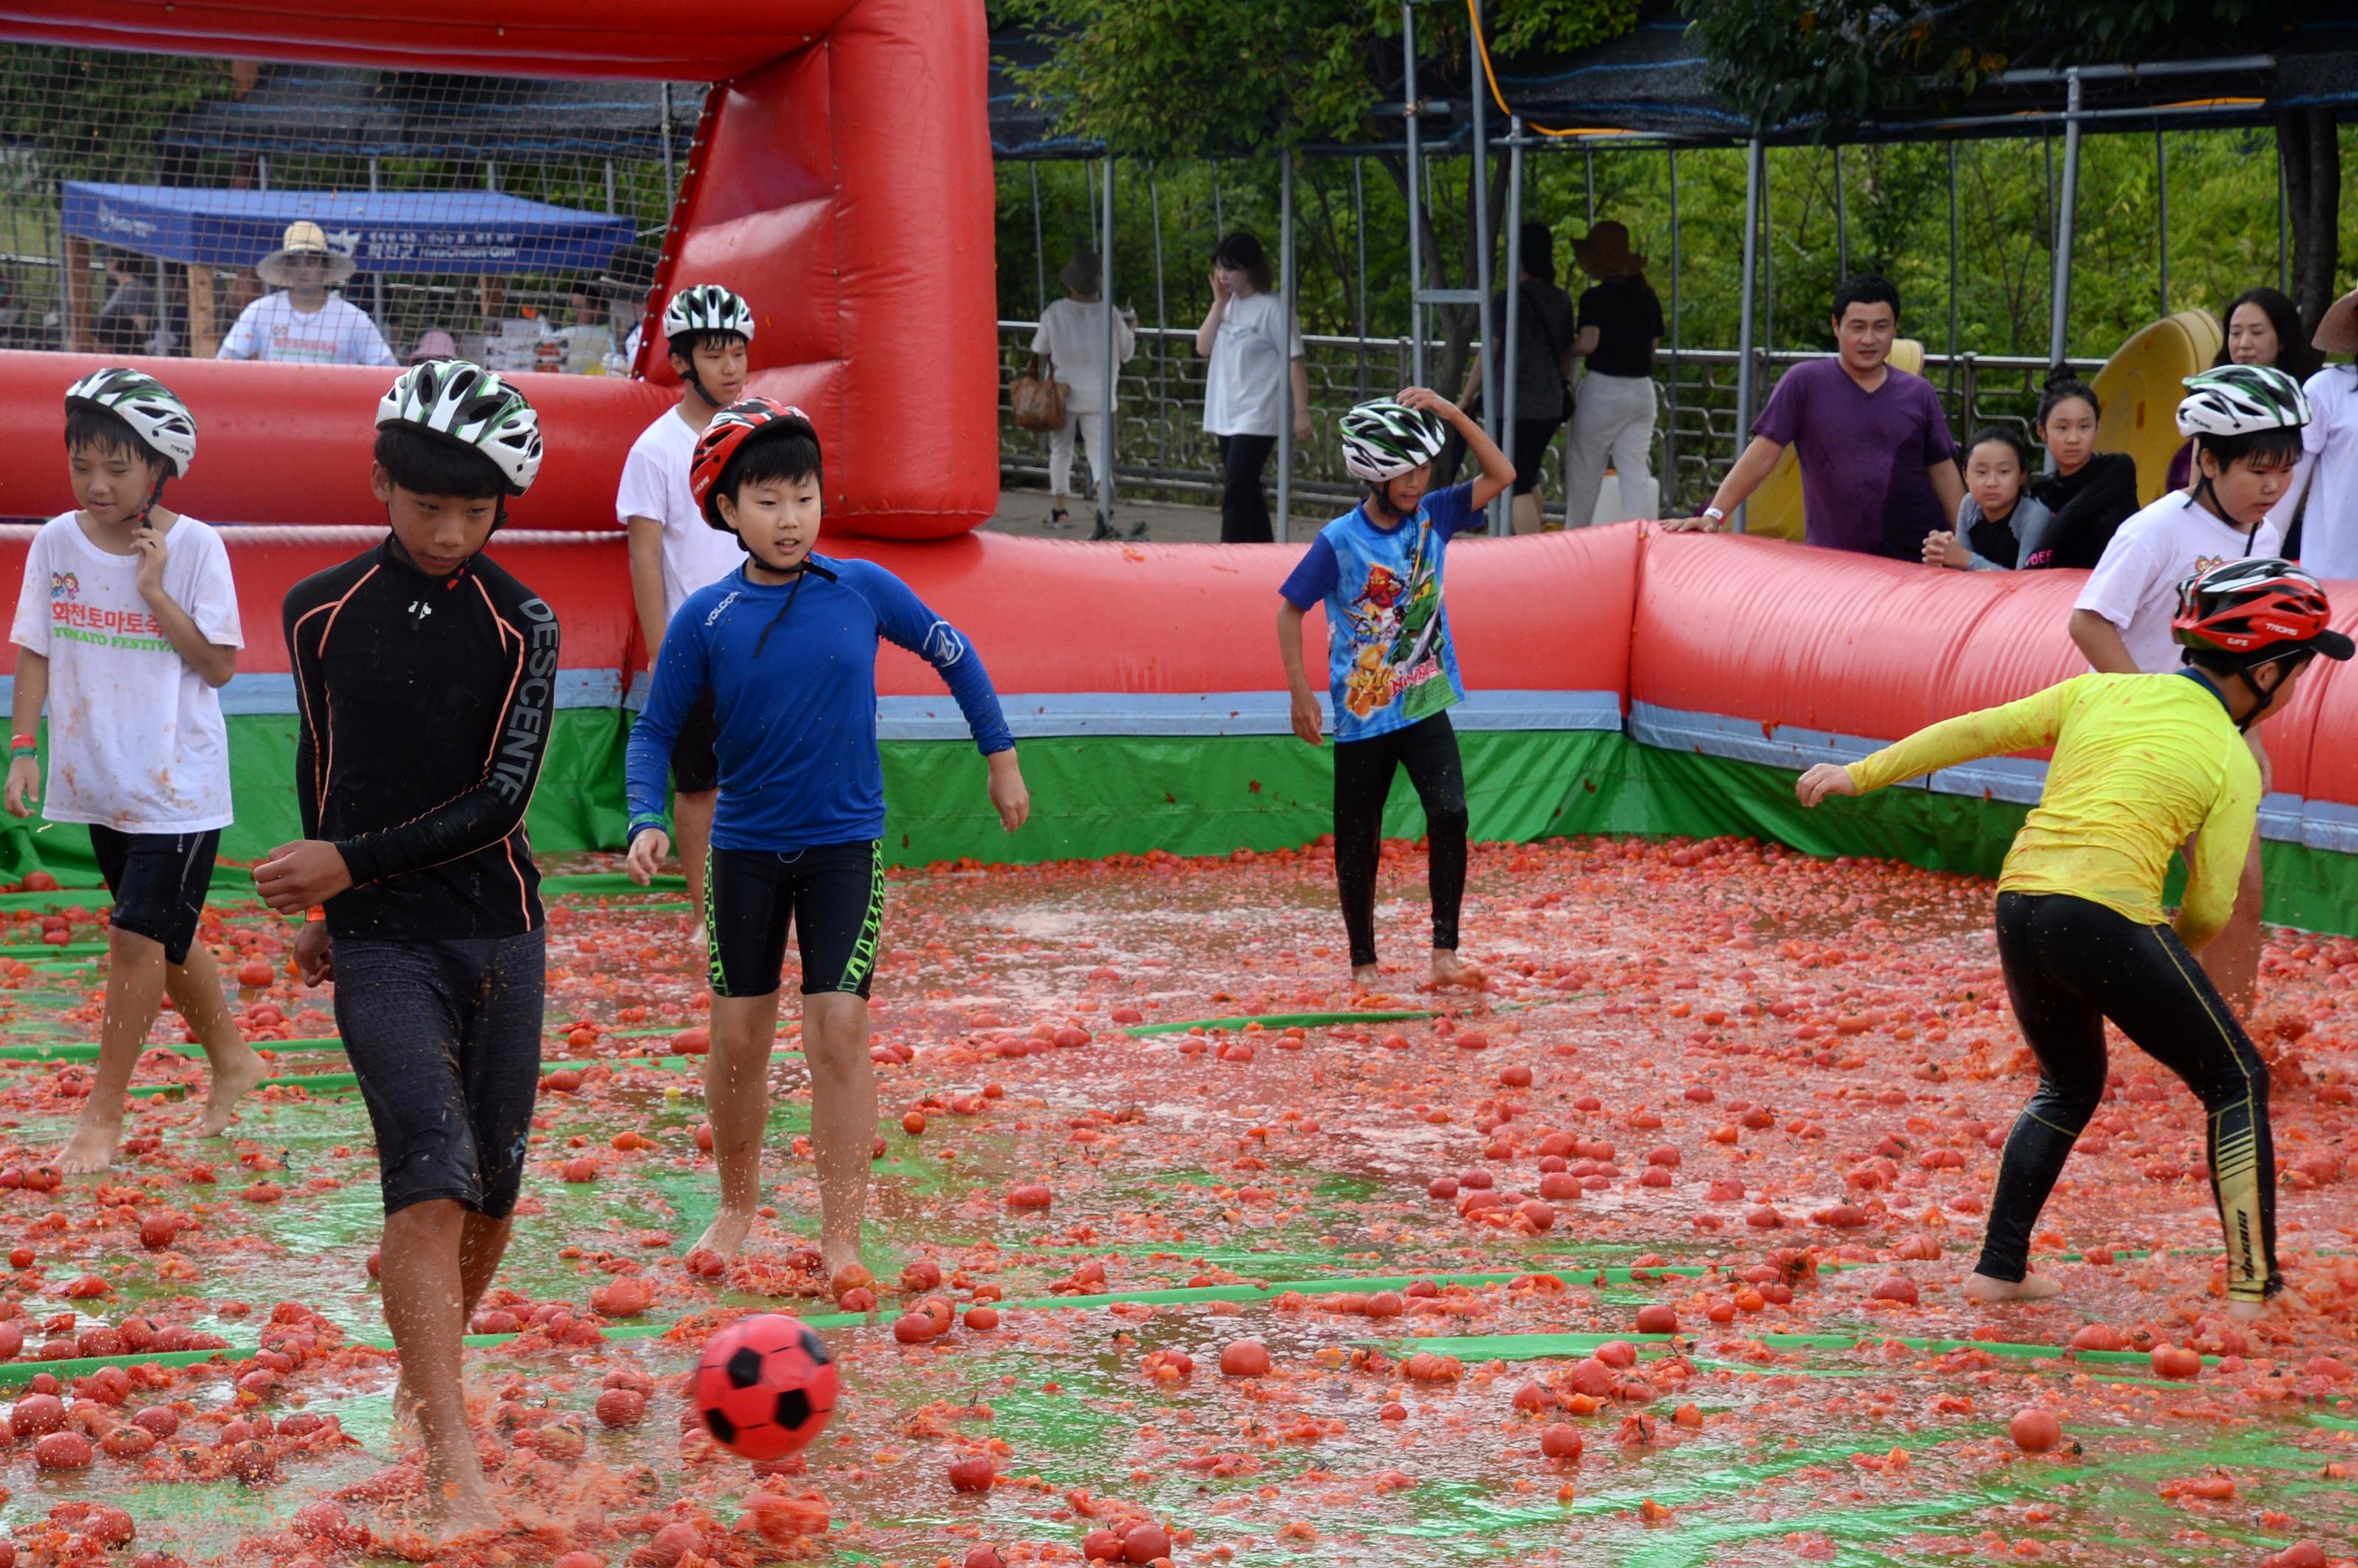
<point>425,1301</point>
<point>195,989</point>
<point>134,993</point>
<point>737,1103</point>
<point>843,1117</point>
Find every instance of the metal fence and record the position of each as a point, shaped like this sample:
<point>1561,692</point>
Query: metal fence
<point>1161,448</point>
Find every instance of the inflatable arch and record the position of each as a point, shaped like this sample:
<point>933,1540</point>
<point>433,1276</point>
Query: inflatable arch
<point>840,180</point>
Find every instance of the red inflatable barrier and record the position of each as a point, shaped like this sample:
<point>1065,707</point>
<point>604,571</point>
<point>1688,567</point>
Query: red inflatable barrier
<point>842,184</point>
<point>1545,614</point>
<point>1783,635</point>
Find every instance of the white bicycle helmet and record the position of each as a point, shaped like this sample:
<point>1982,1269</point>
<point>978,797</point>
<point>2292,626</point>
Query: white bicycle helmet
<point>2237,400</point>
<point>1385,439</point>
<point>467,403</point>
<point>153,410</point>
<point>707,308</point>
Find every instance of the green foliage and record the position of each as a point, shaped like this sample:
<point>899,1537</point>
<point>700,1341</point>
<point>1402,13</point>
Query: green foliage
<point>94,113</point>
<point>1212,78</point>
<point>1783,60</point>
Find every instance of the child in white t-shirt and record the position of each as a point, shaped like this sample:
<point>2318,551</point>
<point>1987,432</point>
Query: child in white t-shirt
<point>2245,421</point>
<point>673,552</point>
<point>129,618</point>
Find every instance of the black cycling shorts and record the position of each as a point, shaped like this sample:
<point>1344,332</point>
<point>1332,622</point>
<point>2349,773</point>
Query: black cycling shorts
<point>158,881</point>
<point>695,770</point>
<point>832,896</point>
<point>445,1039</point>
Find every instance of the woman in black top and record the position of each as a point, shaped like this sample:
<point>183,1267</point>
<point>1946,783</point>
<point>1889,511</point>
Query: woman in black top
<point>1620,328</point>
<point>1543,353</point>
<point>2091,494</point>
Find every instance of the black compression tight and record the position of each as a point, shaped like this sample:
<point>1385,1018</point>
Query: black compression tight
<point>2070,965</point>
<point>1363,781</point>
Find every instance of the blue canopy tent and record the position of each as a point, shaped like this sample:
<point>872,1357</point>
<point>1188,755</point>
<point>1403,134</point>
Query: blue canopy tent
<point>478,233</point>
<point>458,232</point>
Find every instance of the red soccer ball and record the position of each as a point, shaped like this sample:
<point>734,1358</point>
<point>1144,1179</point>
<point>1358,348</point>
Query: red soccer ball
<point>765,1386</point>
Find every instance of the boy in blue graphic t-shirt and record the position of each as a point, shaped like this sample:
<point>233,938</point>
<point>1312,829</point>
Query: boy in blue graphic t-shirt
<point>1392,666</point>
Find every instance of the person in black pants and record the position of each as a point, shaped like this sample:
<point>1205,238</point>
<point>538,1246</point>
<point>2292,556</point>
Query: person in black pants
<point>2141,763</point>
<point>1392,664</point>
<point>1255,346</point>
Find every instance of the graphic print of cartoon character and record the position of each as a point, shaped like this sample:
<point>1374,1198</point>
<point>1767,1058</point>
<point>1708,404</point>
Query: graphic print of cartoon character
<point>65,584</point>
<point>1396,630</point>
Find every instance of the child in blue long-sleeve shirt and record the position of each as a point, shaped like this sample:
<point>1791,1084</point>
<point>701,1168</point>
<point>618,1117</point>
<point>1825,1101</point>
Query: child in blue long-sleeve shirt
<point>786,646</point>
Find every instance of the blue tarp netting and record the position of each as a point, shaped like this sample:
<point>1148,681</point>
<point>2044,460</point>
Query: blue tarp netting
<point>393,231</point>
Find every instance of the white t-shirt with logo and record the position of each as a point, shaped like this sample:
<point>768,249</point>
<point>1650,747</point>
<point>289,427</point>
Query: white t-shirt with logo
<point>655,484</point>
<point>137,742</point>
<point>1241,386</point>
<point>2134,586</point>
<point>338,333</point>
<point>2328,474</point>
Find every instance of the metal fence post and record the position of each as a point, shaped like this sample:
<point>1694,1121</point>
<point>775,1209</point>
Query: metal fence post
<point>1479,193</point>
<point>1502,507</point>
<point>2059,284</point>
<point>2161,211</point>
<point>1286,327</point>
<point>1112,362</point>
<point>1752,182</point>
<point>1671,425</point>
<point>1161,331</point>
<point>1416,207</point>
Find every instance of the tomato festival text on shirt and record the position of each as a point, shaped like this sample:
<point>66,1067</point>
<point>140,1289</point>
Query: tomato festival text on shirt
<point>95,624</point>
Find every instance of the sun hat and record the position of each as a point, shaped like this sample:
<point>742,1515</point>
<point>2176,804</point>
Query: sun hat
<point>302,238</point>
<point>1084,273</point>
<point>2337,330</point>
<point>1604,252</point>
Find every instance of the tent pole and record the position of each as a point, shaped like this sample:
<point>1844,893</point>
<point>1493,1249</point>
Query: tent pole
<point>1671,425</point>
<point>609,187</point>
<point>671,179</point>
<point>1415,184</point>
<point>1039,241</point>
<point>1162,326</point>
<point>1767,270</point>
<point>1360,236</point>
<point>376,278</point>
<point>1285,410</point>
<point>1479,193</point>
<point>2059,319</point>
<point>1952,268</point>
<point>2284,248</point>
<point>1105,300</point>
<point>261,172</point>
<point>1841,221</point>
<point>1588,180</point>
<point>2162,210</point>
<point>1504,506</point>
<point>1752,181</point>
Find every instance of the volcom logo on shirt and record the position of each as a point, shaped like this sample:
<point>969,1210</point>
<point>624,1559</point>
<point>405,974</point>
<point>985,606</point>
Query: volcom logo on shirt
<point>721,609</point>
<point>944,647</point>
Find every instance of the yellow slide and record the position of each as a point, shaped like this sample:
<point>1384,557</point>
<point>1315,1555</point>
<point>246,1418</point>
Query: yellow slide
<point>2139,390</point>
<point>1776,507</point>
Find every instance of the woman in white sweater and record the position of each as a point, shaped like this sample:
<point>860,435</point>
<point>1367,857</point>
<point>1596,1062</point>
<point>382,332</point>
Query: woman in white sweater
<point>1072,337</point>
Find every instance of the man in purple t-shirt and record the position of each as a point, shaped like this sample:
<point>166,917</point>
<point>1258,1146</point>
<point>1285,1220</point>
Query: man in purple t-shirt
<point>1879,469</point>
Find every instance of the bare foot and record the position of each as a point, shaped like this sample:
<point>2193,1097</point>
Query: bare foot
<point>836,1257</point>
<point>2029,1288</point>
<point>1449,971</point>
<point>230,1085</point>
<point>462,1509</point>
<point>91,1146</point>
<point>2246,1312</point>
<point>1365,976</point>
<point>405,1427</point>
<point>726,1235</point>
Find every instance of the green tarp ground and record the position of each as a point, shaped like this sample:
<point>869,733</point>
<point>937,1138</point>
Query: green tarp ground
<point>1094,796</point>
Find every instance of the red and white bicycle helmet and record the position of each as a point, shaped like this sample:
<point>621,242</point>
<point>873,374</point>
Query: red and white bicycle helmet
<point>729,431</point>
<point>2260,608</point>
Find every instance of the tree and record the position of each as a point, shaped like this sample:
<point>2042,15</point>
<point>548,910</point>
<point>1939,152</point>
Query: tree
<point>1846,60</point>
<point>1210,79</point>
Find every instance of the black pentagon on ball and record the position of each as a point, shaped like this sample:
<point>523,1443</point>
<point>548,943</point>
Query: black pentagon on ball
<point>816,1348</point>
<point>794,1409</point>
<point>744,1367</point>
<point>722,1427</point>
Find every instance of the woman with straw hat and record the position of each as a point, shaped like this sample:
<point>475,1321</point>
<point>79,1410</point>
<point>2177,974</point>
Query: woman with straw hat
<point>1620,328</point>
<point>302,323</point>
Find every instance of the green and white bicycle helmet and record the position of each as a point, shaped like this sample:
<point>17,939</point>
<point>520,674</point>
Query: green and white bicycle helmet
<point>1385,439</point>
<point>467,403</point>
<point>2238,400</point>
<point>707,308</point>
<point>153,410</point>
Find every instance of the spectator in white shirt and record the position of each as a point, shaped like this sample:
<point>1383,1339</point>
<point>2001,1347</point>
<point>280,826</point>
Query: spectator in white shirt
<point>1072,336</point>
<point>2327,540</point>
<point>302,323</point>
<point>1252,340</point>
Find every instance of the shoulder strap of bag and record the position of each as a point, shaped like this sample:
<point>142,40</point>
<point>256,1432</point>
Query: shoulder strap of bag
<point>1546,330</point>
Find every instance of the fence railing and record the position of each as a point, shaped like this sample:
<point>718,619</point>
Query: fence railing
<point>1159,444</point>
